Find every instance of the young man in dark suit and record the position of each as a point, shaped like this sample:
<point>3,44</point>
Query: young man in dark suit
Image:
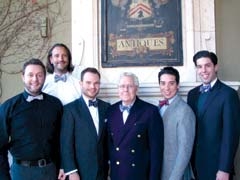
<point>135,132</point>
<point>83,132</point>
<point>217,110</point>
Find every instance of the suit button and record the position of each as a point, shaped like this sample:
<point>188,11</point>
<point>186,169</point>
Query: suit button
<point>139,135</point>
<point>132,151</point>
<point>117,162</point>
<point>117,148</point>
<point>133,165</point>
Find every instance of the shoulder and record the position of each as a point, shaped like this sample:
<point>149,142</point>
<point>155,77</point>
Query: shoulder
<point>72,78</point>
<point>143,104</point>
<point>225,90</point>
<point>52,99</point>
<point>74,103</point>
<point>12,101</point>
<point>194,90</point>
<point>103,103</point>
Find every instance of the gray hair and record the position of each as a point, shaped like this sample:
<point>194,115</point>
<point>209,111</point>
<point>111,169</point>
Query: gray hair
<point>129,74</point>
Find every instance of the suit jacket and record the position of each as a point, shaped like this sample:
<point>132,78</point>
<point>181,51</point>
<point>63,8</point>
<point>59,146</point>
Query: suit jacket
<point>81,147</point>
<point>179,132</point>
<point>217,130</point>
<point>136,147</point>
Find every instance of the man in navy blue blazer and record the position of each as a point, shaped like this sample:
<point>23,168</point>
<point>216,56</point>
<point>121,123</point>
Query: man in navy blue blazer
<point>135,133</point>
<point>83,132</point>
<point>217,110</point>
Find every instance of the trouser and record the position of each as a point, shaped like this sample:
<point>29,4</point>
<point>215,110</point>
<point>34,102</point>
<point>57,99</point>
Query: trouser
<point>20,172</point>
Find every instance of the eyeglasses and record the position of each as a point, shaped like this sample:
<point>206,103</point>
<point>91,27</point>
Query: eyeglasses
<point>126,86</point>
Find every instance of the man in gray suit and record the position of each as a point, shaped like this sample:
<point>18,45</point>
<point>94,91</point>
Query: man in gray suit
<point>83,132</point>
<point>179,127</point>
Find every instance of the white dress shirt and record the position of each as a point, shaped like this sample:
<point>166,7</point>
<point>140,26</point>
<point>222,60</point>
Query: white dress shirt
<point>66,91</point>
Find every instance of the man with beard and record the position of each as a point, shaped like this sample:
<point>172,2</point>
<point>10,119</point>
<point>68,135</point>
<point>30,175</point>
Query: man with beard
<point>29,129</point>
<point>60,82</point>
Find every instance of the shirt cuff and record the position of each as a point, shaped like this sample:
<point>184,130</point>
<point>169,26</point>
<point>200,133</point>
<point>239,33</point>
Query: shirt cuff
<point>70,172</point>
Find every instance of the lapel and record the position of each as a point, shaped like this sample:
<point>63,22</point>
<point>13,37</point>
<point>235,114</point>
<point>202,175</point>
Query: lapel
<point>86,117</point>
<point>211,96</point>
<point>172,106</point>
<point>101,114</point>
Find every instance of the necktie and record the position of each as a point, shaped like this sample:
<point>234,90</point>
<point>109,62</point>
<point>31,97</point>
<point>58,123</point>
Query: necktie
<point>60,78</point>
<point>205,88</point>
<point>124,108</point>
<point>163,102</point>
<point>31,98</point>
<point>92,103</point>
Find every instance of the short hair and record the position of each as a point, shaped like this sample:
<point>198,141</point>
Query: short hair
<point>33,61</point>
<point>129,74</point>
<point>91,70</point>
<point>169,70</point>
<point>49,65</point>
<point>206,54</point>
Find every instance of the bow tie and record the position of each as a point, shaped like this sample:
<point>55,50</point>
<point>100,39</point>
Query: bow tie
<point>205,88</point>
<point>60,78</point>
<point>93,103</point>
<point>163,102</point>
<point>31,98</point>
<point>124,108</point>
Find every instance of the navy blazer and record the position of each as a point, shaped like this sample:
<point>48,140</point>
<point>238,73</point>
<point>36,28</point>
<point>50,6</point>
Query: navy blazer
<point>81,147</point>
<point>136,147</point>
<point>217,130</point>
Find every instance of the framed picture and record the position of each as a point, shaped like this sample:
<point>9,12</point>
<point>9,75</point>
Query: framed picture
<point>141,33</point>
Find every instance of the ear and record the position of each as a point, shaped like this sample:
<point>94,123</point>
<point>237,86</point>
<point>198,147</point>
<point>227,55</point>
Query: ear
<point>216,67</point>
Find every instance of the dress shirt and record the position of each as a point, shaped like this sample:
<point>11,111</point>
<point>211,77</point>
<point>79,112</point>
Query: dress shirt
<point>30,129</point>
<point>94,113</point>
<point>66,91</point>
<point>125,109</point>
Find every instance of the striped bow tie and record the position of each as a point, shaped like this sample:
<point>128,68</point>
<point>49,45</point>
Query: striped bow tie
<point>205,88</point>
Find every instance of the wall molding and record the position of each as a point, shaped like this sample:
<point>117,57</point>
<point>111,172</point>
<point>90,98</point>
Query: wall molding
<point>150,91</point>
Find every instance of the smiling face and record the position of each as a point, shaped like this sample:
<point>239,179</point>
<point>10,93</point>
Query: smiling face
<point>168,86</point>
<point>33,79</point>
<point>127,90</point>
<point>59,60</point>
<point>206,70</point>
<point>90,85</point>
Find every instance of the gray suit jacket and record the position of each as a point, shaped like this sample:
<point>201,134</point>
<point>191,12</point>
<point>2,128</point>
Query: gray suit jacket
<point>179,132</point>
<point>81,147</point>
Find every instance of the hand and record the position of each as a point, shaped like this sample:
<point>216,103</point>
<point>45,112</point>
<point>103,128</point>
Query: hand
<point>74,176</point>
<point>61,175</point>
<point>221,175</point>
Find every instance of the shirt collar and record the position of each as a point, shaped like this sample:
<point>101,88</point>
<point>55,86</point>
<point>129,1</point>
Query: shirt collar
<point>87,99</point>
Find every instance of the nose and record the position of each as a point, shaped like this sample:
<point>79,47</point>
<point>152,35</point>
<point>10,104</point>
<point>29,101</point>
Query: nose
<point>35,78</point>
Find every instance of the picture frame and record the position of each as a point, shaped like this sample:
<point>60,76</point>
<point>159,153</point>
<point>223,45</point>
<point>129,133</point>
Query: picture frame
<point>141,33</point>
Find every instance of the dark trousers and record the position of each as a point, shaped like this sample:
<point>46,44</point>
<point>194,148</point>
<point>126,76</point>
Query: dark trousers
<point>19,172</point>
